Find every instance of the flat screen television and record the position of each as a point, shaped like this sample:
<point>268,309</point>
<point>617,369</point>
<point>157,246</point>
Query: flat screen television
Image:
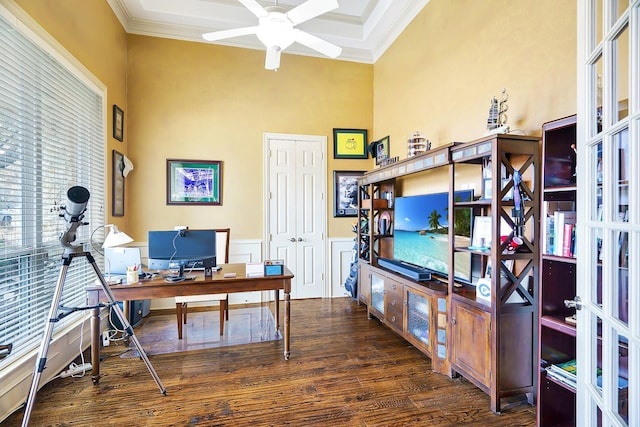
<point>187,247</point>
<point>421,233</point>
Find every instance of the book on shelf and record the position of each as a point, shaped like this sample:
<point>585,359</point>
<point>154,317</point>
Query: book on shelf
<point>549,232</point>
<point>560,219</point>
<point>568,240</point>
<point>564,373</point>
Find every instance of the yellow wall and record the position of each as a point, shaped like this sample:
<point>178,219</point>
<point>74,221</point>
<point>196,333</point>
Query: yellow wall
<point>93,35</point>
<point>192,100</point>
<point>199,101</point>
<point>441,73</point>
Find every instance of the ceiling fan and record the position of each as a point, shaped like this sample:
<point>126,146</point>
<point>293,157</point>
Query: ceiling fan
<point>277,30</point>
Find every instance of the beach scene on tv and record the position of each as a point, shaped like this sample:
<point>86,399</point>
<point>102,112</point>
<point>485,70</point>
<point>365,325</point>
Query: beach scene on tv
<point>421,232</point>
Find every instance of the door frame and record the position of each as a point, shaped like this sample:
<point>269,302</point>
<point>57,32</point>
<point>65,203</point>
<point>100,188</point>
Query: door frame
<point>322,141</point>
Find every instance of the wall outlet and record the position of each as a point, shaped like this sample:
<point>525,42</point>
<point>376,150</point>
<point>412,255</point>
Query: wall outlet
<point>105,339</point>
<point>180,227</point>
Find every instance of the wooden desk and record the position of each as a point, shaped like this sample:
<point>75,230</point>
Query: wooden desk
<point>158,288</point>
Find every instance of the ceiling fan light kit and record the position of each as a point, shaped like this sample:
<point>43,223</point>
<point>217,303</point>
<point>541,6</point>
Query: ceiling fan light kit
<point>276,29</point>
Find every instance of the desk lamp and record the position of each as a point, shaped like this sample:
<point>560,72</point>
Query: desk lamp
<point>114,238</point>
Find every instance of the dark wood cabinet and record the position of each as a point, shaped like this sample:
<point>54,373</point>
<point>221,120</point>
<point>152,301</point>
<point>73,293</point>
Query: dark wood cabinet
<point>556,402</point>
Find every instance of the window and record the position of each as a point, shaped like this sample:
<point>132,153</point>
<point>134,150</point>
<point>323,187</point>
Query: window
<point>51,138</point>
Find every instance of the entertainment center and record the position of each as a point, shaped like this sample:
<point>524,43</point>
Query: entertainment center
<point>490,341</point>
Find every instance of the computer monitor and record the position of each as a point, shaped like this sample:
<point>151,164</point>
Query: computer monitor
<point>190,248</point>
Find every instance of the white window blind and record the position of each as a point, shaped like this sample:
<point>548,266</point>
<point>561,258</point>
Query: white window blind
<point>51,138</point>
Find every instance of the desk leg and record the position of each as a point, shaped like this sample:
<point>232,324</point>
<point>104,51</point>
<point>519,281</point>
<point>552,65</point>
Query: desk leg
<point>95,343</point>
<point>287,312</point>
<point>276,297</point>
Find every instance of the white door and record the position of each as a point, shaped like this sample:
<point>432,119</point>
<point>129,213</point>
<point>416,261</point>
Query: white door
<point>295,177</point>
<point>608,319</point>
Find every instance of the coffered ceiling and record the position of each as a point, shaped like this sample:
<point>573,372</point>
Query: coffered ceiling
<point>363,28</point>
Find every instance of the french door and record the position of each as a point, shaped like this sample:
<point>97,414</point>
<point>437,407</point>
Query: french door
<point>608,280</point>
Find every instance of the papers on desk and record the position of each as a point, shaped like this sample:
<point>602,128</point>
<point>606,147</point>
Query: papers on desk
<point>254,269</point>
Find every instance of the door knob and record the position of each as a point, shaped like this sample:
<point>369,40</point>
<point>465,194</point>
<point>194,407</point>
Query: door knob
<point>299,239</point>
<point>576,303</point>
<point>292,240</point>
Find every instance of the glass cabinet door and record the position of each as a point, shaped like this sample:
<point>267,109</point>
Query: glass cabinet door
<point>377,293</point>
<point>418,317</point>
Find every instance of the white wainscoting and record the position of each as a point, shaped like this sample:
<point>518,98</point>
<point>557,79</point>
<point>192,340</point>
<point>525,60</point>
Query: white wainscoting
<point>341,254</point>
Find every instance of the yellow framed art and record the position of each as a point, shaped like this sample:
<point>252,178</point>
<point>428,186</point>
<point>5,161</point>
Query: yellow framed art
<point>350,144</point>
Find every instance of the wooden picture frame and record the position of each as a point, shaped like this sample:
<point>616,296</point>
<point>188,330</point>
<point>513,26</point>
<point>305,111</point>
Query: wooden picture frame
<point>194,182</point>
<point>345,193</point>
<point>350,144</point>
<point>118,123</point>
<point>117,184</point>
<point>382,150</point>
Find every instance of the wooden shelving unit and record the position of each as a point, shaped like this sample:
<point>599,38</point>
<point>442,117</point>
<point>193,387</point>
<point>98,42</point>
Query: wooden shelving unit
<point>500,360</point>
<point>556,400</point>
<point>492,344</point>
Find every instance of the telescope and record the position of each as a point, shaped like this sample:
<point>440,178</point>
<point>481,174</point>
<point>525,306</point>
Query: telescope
<point>77,198</point>
<point>73,212</point>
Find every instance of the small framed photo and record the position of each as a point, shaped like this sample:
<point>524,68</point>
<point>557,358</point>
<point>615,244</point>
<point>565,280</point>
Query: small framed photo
<point>382,150</point>
<point>118,123</point>
<point>345,193</point>
<point>481,234</point>
<point>350,144</point>
<point>117,184</point>
<point>194,182</point>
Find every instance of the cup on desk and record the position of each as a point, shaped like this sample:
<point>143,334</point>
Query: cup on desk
<point>132,274</point>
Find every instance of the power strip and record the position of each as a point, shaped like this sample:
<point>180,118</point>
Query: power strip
<point>75,370</point>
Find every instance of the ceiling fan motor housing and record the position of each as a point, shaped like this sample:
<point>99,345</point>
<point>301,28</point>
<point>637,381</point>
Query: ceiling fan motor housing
<point>276,29</point>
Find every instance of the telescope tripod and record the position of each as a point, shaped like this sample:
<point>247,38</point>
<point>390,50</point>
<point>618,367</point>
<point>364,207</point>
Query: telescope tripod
<point>41,358</point>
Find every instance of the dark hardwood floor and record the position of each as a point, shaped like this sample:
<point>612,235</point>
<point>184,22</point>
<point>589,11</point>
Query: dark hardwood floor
<point>344,370</point>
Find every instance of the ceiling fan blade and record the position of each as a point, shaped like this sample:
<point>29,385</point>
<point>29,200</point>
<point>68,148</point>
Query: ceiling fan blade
<point>272,61</point>
<point>315,43</point>
<point>310,9</point>
<point>254,7</point>
<point>225,34</point>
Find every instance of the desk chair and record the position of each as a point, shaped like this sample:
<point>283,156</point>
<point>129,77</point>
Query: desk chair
<point>222,255</point>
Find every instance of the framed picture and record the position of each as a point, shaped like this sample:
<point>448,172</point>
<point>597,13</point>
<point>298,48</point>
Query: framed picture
<point>117,184</point>
<point>194,182</point>
<point>345,193</point>
<point>481,234</point>
<point>382,150</point>
<point>118,123</point>
<point>350,144</point>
